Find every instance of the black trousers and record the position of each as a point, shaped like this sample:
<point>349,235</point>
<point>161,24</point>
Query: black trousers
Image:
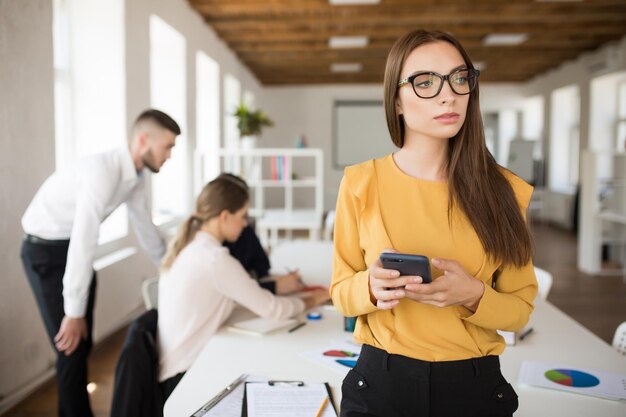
<point>386,385</point>
<point>45,266</point>
<point>168,385</point>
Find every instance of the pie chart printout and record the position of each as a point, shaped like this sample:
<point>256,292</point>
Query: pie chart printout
<point>572,378</point>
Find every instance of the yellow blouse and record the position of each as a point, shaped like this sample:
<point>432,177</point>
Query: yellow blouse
<point>381,207</point>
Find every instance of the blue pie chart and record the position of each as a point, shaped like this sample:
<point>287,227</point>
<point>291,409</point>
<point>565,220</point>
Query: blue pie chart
<point>572,378</point>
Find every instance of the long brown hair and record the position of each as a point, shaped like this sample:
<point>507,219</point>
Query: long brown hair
<point>475,181</point>
<point>226,192</point>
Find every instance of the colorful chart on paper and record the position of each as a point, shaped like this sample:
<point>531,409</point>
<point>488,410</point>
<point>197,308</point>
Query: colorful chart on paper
<point>572,378</point>
<point>350,363</point>
<point>341,353</point>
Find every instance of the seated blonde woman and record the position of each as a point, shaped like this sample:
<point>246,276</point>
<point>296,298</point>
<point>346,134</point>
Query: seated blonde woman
<point>202,282</point>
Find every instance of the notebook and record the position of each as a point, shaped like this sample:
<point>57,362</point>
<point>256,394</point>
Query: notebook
<point>260,326</point>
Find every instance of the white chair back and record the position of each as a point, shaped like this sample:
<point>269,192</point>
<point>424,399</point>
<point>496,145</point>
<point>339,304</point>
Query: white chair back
<point>150,292</point>
<point>329,225</point>
<point>619,339</point>
<point>544,280</point>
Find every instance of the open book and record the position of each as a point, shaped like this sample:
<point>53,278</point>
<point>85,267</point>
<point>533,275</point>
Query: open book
<point>260,326</point>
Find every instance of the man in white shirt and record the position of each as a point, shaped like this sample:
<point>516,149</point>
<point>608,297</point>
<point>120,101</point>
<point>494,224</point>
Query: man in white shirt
<point>61,228</point>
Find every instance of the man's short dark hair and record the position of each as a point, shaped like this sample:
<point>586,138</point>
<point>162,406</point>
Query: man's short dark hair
<point>160,118</point>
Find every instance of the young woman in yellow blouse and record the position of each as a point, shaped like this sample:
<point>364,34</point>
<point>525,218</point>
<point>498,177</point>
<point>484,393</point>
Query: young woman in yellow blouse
<point>432,349</point>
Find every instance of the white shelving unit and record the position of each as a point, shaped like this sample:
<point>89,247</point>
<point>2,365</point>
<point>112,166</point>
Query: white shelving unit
<point>253,165</point>
<point>602,211</point>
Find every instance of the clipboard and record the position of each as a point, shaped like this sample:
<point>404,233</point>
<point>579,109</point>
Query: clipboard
<point>206,408</point>
<point>294,384</point>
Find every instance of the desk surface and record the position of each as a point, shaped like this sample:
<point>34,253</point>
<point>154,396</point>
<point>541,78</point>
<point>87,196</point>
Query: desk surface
<point>556,338</point>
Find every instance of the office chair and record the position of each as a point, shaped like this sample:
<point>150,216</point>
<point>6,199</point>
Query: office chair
<point>329,224</point>
<point>619,339</point>
<point>544,280</point>
<point>150,293</point>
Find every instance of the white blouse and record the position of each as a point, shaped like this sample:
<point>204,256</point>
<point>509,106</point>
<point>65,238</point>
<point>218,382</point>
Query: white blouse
<point>198,294</point>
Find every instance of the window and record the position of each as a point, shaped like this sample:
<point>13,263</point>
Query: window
<point>207,119</point>
<point>507,131</point>
<point>88,43</point>
<point>232,98</point>
<point>62,84</point>
<point>171,187</point>
<point>620,131</point>
<point>532,123</point>
<point>564,139</point>
<point>249,99</point>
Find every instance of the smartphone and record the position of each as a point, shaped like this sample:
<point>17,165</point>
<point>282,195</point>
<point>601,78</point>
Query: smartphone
<point>407,264</point>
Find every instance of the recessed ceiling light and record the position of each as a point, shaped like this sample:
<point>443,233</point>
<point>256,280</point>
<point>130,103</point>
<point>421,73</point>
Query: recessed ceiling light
<point>505,39</point>
<point>346,67</point>
<point>348,41</point>
<point>352,2</point>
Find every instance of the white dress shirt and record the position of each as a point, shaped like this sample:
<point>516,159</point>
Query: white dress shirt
<point>197,295</point>
<point>72,203</point>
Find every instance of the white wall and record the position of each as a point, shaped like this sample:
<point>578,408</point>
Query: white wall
<point>308,110</point>
<point>27,134</point>
<point>27,137</point>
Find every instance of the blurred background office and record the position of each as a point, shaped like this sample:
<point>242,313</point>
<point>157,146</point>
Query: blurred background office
<point>74,74</point>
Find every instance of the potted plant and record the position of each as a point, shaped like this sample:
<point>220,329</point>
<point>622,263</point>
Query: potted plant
<point>250,122</point>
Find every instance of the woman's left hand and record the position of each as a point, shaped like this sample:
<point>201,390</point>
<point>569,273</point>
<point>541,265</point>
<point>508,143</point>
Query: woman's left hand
<point>289,283</point>
<point>454,288</point>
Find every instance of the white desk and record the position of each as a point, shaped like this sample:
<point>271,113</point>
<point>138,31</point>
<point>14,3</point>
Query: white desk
<point>560,339</point>
<point>556,338</point>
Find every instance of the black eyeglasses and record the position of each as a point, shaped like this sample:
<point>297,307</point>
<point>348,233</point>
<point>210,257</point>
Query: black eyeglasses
<point>428,84</point>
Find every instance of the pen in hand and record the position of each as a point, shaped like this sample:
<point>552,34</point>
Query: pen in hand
<point>525,334</point>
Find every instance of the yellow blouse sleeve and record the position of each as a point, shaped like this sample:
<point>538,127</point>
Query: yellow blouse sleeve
<point>350,283</point>
<point>509,304</point>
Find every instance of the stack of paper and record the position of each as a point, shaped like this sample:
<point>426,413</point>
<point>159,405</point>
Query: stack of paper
<point>573,379</point>
<point>288,400</point>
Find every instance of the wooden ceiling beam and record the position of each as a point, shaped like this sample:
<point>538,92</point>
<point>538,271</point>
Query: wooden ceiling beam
<point>392,32</point>
<point>260,48</point>
<point>420,18</point>
<point>290,58</point>
<point>258,10</point>
<point>286,42</point>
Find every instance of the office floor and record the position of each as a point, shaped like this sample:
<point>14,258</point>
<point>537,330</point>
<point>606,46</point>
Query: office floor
<point>599,303</point>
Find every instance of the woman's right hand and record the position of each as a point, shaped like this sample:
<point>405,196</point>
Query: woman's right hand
<point>386,285</point>
<point>316,298</point>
